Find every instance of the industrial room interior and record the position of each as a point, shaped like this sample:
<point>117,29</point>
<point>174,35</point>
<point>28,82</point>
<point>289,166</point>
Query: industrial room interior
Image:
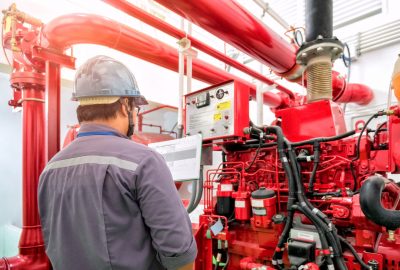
<point>298,161</point>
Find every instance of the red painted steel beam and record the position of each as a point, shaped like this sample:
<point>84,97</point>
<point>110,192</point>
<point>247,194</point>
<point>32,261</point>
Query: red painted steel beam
<point>235,25</point>
<point>161,25</point>
<point>69,30</point>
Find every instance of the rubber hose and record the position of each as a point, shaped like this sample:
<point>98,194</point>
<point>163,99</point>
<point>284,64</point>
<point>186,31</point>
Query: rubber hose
<point>370,201</point>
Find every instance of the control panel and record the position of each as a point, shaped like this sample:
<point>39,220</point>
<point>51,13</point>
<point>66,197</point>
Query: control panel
<point>217,112</point>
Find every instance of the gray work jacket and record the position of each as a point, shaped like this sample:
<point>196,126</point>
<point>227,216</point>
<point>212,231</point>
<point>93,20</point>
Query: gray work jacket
<point>108,203</point>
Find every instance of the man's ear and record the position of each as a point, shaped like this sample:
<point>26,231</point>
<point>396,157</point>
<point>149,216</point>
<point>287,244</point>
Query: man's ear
<point>124,107</point>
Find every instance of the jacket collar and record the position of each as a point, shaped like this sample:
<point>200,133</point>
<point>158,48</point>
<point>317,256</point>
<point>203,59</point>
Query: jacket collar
<point>90,127</point>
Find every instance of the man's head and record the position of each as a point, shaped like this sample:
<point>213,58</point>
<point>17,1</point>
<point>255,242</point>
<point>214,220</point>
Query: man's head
<point>107,92</point>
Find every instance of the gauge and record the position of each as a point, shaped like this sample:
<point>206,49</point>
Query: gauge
<point>220,93</point>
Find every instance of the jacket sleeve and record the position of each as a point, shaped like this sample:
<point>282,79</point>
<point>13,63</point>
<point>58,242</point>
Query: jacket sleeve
<point>164,213</point>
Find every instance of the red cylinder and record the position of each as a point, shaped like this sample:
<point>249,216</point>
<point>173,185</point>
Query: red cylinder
<point>242,206</point>
<point>263,203</point>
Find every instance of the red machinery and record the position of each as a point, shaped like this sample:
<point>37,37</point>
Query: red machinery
<point>302,193</point>
<point>286,192</point>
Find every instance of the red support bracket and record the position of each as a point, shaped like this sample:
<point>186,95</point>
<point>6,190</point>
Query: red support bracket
<point>45,54</point>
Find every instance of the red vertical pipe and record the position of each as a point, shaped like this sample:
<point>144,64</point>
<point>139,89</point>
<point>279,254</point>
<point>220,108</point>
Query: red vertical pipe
<point>32,252</point>
<point>53,93</point>
<point>32,165</point>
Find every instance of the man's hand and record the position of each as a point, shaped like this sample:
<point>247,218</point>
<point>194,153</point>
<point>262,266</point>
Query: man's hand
<point>187,267</point>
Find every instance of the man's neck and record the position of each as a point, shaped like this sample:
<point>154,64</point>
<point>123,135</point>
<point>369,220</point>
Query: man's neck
<point>113,123</point>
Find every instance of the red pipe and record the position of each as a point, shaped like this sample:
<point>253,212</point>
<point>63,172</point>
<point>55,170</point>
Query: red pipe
<point>232,23</point>
<point>31,246</point>
<point>159,24</point>
<point>69,30</point>
<point>352,92</point>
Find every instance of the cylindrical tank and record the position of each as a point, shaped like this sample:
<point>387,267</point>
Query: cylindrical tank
<point>263,203</point>
<point>242,206</point>
<point>225,202</point>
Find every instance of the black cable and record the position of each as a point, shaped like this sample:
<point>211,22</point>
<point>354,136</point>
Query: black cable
<point>375,115</point>
<point>324,139</point>
<point>315,167</point>
<point>354,252</point>
<point>320,219</point>
<point>321,233</point>
<point>255,156</point>
<point>353,173</point>
<point>379,129</point>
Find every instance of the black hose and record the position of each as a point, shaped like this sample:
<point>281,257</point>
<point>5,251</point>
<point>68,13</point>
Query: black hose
<point>375,115</point>
<point>354,252</point>
<point>320,220</point>
<point>370,201</point>
<point>324,139</point>
<point>321,233</point>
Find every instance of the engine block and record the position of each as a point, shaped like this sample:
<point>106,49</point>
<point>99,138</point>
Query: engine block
<point>249,198</point>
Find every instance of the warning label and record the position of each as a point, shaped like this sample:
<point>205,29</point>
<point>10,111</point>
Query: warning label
<point>224,105</point>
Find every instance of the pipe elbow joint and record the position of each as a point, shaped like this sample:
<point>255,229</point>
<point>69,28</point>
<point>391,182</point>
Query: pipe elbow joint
<point>370,201</point>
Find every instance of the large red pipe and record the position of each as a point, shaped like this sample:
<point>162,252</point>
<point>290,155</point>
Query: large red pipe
<point>69,30</point>
<point>159,24</point>
<point>232,23</point>
<point>235,25</point>
<point>31,247</point>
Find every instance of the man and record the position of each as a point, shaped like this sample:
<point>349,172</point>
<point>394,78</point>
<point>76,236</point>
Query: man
<point>106,202</point>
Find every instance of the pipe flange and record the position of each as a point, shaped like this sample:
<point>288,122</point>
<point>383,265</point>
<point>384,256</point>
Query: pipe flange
<point>319,47</point>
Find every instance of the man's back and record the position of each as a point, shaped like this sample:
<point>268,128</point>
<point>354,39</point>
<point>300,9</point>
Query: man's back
<point>108,203</point>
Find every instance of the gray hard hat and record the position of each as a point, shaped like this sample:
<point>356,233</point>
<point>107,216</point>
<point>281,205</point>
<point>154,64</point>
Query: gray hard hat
<point>103,80</point>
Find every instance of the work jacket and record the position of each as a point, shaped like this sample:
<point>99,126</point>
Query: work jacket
<point>108,203</point>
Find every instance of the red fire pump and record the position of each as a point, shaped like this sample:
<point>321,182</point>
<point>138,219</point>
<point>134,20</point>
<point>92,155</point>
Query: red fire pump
<point>301,193</point>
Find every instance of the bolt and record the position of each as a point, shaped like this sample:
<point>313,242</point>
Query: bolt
<point>320,37</point>
<point>304,55</point>
<point>335,50</point>
<point>320,49</point>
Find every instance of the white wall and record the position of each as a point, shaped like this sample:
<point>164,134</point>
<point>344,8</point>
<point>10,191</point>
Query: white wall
<point>10,158</point>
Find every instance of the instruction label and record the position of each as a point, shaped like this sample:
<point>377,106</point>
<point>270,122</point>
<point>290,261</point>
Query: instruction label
<point>226,105</point>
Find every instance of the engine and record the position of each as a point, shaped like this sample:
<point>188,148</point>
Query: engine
<point>302,193</point>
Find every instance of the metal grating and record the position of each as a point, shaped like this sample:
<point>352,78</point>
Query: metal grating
<point>375,38</point>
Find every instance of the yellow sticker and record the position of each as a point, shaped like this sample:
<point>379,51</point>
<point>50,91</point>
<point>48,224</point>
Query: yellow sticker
<point>7,26</point>
<point>217,117</point>
<point>224,105</point>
